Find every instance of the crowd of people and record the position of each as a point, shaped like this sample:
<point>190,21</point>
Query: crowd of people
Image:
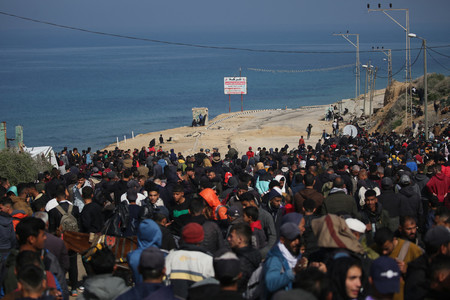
<point>351,218</point>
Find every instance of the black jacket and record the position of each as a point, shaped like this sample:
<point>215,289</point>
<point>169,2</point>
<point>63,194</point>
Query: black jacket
<point>7,234</point>
<point>91,218</point>
<point>416,281</point>
<point>249,258</point>
<point>390,202</point>
<point>54,216</point>
<point>410,203</point>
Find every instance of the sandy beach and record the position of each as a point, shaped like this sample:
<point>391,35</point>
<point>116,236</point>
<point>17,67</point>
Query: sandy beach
<point>259,128</point>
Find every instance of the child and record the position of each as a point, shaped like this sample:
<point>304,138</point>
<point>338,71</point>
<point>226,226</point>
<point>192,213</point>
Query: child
<point>251,215</point>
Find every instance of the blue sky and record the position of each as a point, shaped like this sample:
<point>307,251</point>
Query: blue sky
<point>212,15</point>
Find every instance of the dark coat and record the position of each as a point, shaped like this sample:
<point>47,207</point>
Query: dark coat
<point>339,202</point>
<point>213,240</point>
<point>7,234</point>
<point>168,242</point>
<point>91,218</point>
<point>57,247</point>
<point>417,281</point>
<point>249,258</point>
<point>145,290</point>
<point>410,203</point>
<point>302,195</point>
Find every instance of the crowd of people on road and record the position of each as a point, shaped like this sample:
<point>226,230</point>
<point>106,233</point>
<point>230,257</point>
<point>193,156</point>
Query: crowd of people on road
<point>351,218</point>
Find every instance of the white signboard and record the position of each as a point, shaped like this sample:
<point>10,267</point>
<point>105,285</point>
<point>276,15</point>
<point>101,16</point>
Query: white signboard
<point>235,85</point>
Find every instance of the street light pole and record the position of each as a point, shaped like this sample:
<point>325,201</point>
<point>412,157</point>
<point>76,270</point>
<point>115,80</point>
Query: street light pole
<point>408,51</point>
<point>425,84</point>
<point>425,80</point>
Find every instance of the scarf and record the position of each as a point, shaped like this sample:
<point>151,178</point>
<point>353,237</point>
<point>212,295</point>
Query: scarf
<point>256,224</point>
<point>292,261</point>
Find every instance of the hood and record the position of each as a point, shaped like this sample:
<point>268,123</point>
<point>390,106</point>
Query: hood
<point>105,286</point>
<point>210,197</point>
<point>149,234</point>
<point>171,174</point>
<point>233,182</point>
<point>420,177</point>
<point>278,178</point>
<point>162,163</point>
<point>440,176</point>
<point>337,190</point>
<point>408,191</point>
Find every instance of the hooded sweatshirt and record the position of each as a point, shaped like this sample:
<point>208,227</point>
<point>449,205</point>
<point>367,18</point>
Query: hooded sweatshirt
<point>219,211</point>
<point>148,235</point>
<point>439,185</point>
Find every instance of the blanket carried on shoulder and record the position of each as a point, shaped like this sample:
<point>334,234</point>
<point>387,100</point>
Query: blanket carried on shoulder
<point>332,232</point>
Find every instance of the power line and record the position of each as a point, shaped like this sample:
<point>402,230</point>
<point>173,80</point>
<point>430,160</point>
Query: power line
<point>301,71</point>
<point>190,44</point>
<point>401,69</point>
<point>448,56</point>
<point>435,60</point>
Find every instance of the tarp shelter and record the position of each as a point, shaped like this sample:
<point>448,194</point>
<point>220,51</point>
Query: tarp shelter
<point>46,151</point>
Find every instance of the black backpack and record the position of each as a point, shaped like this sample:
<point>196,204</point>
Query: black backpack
<point>117,224</point>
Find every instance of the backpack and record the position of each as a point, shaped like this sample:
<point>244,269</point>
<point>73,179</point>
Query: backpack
<point>68,221</point>
<point>147,210</point>
<point>117,223</point>
<point>255,285</point>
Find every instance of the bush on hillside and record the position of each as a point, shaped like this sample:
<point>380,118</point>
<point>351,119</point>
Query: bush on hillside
<point>20,166</point>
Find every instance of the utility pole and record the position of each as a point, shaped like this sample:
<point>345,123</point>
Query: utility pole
<point>388,53</point>
<point>372,92</point>
<point>407,54</point>
<point>365,88</point>
<point>425,81</point>
<point>356,45</point>
<point>242,95</point>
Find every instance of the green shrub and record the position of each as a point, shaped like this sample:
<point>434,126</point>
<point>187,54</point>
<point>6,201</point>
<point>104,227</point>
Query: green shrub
<point>433,97</point>
<point>20,166</point>
<point>397,123</point>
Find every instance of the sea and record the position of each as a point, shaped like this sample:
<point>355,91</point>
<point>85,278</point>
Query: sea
<point>74,89</point>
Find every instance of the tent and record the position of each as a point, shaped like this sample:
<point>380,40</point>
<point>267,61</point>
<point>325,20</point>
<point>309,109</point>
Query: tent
<point>47,151</point>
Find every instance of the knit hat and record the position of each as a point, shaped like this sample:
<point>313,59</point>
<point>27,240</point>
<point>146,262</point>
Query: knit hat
<point>192,233</point>
<point>272,194</point>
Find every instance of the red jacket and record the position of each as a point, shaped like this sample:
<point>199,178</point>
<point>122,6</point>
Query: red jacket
<point>439,185</point>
